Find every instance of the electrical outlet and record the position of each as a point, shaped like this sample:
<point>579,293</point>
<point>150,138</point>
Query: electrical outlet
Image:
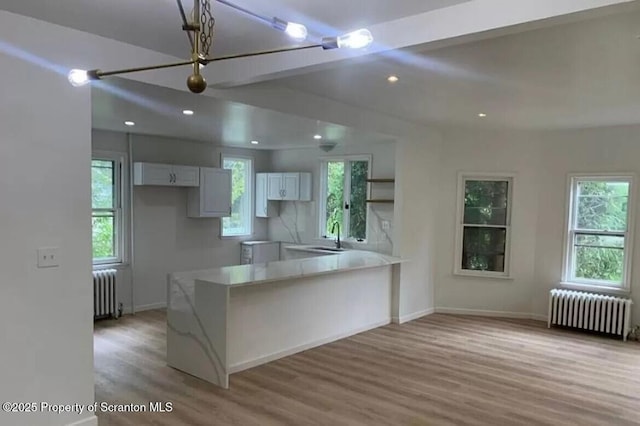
<point>385,225</point>
<point>48,257</point>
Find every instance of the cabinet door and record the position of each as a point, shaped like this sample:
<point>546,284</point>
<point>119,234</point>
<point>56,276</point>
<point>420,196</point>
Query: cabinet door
<point>291,186</point>
<point>213,197</point>
<point>152,174</point>
<point>274,186</point>
<point>186,176</point>
<point>264,207</point>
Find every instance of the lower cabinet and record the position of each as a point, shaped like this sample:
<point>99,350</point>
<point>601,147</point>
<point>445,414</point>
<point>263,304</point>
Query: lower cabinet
<point>213,197</point>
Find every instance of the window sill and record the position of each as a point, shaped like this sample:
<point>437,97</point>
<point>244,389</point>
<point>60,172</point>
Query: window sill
<point>483,275</point>
<point>101,266</point>
<point>618,291</point>
<point>237,237</point>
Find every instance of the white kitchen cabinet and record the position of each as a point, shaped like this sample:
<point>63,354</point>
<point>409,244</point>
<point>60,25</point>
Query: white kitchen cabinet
<point>264,207</point>
<point>213,197</point>
<point>165,175</point>
<point>289,186</point>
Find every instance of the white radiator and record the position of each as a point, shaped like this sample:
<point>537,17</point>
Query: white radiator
<point>105,302</point>
<point>590,311</point>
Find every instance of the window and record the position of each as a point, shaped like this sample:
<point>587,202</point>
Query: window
<point>241,220</point>
<point>106,205</point>
<point>484,225</point>
<point>344,197</point>
<point>598,243</point>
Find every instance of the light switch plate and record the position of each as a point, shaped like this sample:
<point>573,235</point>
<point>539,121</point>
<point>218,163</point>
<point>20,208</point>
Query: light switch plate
<point>48,257</point>
<point>386,225</point>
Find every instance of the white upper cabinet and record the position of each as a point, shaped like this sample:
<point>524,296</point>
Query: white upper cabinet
<point>165,175</point>
<point>264,207</point>
<point>213,197</point>
<point>274,186</point>
<point>289,186</point>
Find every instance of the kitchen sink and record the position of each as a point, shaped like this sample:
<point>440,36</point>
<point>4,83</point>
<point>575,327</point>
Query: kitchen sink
<point>323,248</point>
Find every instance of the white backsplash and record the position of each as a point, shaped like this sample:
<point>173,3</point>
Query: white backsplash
<point>298,223</point>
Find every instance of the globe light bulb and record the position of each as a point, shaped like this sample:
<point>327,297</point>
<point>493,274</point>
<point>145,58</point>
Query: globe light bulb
<point>298,32</point>
<point>78,77</point>
<point>356,40</point>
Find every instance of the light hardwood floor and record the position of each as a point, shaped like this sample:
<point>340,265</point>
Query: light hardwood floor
<point>439,370</point>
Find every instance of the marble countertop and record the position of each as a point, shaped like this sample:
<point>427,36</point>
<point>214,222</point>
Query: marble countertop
<point>243,275</point>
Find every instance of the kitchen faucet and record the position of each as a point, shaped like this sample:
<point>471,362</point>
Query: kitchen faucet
<point>333,229</point>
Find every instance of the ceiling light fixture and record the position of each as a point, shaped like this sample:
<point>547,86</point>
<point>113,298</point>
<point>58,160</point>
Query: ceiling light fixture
<point>393,79</point>
<point>482,115</point>
<point>187,112</point>
<point>200,33</point>
<point>317,137</point>
<point>254,142</point>
<point>129,123</point>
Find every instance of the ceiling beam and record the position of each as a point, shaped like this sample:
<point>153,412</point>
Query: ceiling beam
<point>469,21</point>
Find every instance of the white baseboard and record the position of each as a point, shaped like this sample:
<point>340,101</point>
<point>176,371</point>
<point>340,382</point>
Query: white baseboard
<point>414,316</point>
<point>89,421</point>
<point>495,314</point>
<point>141,308</point>
<point>281,354</point>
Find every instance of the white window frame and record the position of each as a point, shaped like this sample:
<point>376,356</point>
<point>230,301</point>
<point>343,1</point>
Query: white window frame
<point>463,177</point>
<point>250,188</point>
<point>568,261</point>
<point>322,204</point>
<point>120,183</point>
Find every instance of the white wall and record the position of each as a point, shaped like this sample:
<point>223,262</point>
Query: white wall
<point>298,221</point>
<point>606,150</point>
<point>46,315</point>
<point>165,240</point>
<point>485,151</point>
<point>541,162</point>
<point>417,183</point>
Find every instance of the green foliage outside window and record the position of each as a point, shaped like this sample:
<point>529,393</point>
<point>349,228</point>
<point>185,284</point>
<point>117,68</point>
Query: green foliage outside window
<point>238,224</point>
<point>485,203</point>
<point>358,206</point>
<point>335,201</point>
<point>600,206</point>
<point>103,205</point>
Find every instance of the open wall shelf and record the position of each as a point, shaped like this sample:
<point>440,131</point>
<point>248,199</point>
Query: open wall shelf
<point>379,200</point>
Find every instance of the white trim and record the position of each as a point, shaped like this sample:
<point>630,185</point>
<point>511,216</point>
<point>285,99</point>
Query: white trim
<point>414,316</point>
<point>457,261</point>
<point>140,308</point>
<point>617,291</point>
<point>286,352</point>
<point>567,256</point>
<point>494,314</point>
<point>89,421</point>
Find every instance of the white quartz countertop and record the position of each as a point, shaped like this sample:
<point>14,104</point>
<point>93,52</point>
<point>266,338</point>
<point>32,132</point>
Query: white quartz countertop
<point>242,275</point>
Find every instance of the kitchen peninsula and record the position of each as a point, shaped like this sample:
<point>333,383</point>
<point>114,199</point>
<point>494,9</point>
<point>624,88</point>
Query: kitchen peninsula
<point>224,320</point>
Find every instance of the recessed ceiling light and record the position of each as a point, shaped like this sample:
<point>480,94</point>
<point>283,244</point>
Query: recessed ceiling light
<point>317,137</point>
<point>482,115</point>
<point>254,142</point>
<point>129,123</point>
<point>187,112</point>
<point>393,79</point>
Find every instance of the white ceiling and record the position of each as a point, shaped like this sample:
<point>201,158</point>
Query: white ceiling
<point>156,24</point>
<point>578,75</point>
<point>158,111</point>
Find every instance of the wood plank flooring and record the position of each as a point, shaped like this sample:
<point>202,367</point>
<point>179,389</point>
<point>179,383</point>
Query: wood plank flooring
<point>439,370</point>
